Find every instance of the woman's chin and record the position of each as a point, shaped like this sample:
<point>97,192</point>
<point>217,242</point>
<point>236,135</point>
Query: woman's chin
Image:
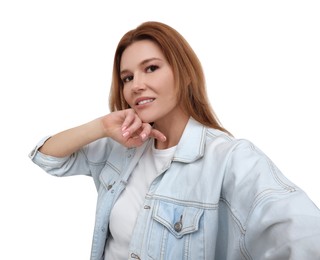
<point>146,118</point>
<point>149,121</point>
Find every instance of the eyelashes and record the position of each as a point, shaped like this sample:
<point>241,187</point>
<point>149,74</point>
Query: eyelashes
<point>148,69</point>
<point>152,68</point>
<point>127,79</point>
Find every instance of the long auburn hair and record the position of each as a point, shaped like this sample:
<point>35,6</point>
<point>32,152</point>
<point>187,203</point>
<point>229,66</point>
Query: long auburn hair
<point>188,73</point>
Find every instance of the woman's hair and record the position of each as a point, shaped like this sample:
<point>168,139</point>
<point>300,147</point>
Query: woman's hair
<point>188,74</point>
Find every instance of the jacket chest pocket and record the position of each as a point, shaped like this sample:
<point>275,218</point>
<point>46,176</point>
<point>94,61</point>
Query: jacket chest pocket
<point>174,230</point>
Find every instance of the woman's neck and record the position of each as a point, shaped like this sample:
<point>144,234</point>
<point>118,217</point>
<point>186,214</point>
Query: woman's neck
<point>173,129</point>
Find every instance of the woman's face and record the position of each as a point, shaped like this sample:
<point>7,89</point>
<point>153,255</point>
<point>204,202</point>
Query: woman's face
<point>148,82</point>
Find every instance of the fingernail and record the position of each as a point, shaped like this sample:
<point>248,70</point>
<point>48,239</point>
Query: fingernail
<point>143,136</point>
<point>123,128</point>
<point>125,134</point>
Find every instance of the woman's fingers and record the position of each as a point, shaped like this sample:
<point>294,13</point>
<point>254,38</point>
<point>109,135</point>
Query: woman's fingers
<point>133,132</point>
<point>147,131</point>
<point>132,123</point>
<point>129,117</point>
<point>138,137</point>
<point>156,134</point>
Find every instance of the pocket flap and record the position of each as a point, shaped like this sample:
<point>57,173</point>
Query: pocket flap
<point>178,219</point>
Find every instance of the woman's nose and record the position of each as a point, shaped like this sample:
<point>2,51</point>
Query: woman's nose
<point>138,83</point>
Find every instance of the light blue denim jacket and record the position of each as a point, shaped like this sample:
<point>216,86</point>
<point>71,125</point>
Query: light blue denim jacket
<point>221,198</point>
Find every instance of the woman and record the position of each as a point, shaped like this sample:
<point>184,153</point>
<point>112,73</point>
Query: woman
<point>172,182</point>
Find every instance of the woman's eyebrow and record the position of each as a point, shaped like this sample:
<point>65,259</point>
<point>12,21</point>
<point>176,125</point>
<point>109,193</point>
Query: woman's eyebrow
<point>148,60</point>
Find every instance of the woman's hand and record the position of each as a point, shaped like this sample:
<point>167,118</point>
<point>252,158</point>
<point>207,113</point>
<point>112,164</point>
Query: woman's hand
<point>126,128</point>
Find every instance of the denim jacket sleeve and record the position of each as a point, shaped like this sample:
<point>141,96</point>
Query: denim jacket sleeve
<point>277,219</point>
<point>90,160</point>
<point>74,164</point>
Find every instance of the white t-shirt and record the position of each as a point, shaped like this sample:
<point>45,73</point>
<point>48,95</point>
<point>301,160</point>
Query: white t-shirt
<point>126,209</point>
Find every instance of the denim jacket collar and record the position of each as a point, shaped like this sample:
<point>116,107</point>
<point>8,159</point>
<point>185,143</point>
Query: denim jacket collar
<point>189,149</point>
<point>192,142</point>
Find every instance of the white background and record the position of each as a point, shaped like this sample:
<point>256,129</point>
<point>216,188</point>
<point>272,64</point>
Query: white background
<point>262,64</point>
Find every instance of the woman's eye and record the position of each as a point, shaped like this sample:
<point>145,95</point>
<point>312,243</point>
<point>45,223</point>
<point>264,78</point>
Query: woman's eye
<point>127,79</point>
<point>152,68</point>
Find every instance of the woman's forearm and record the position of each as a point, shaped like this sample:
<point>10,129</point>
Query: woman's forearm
<point>69,141</point>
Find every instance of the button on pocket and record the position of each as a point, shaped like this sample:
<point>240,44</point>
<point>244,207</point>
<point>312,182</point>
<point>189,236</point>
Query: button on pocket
<point>178,219</point>
<point>174,224</point>
<point>178,225</point>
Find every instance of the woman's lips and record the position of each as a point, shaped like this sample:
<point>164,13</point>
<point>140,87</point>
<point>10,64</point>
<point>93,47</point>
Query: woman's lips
<point>145,101</point>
